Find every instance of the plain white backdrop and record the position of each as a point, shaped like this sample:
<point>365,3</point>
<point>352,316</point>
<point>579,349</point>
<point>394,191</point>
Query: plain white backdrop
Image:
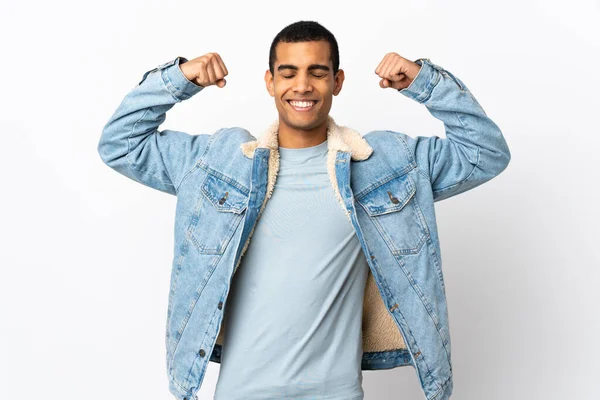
<point>86,252</point>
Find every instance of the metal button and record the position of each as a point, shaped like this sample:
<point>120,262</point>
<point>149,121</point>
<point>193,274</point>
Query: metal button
<point>394,200</point>
<point>372,257</point>
<point>223,198</point>
<point>220,305</point>
<point>417,353</point>
<point>202,353</point>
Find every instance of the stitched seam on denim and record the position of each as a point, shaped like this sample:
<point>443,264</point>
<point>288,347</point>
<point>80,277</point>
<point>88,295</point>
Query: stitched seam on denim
<point>188,234</point>
<point>388,240</point>
<point>474,166</point>
<point>426,303</point>
<point>421,294</point>
<point>186,174</point>
<point>197,295</point>
<point>451,76</point>
<point>129,152</point>
<point>213,339</point>
<point>184,250</point>
<point>464,180</point>
<point>173,90</point>
<point>385,180</point>
<point>441,387</point>
<point>225,178</point>
<point>447,381</point>
<point>220,250</point>
<point>231,186</point>
<point>431,84</point>
<point>384,282</point>
<point>428,87</point>
<point>436,262</point>
<point>427,93</point>
<point>196,242</point>
<point>420,214</point>
<point>412,156</point>
<point>423,174</point>
<point>198,162</point>
<point>189,313</point>
<point>172,292</point>
<point>212,320</point>
<point>398,136</point>
<point>162,159</point>
<point>183,389</point>
<point>208,144</point>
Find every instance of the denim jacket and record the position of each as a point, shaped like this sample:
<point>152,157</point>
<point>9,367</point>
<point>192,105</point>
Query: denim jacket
<point>386,183</point>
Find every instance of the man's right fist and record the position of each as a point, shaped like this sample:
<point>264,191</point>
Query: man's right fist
<point>205,70</point>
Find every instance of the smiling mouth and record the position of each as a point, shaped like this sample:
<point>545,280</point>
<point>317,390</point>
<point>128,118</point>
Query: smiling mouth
<point>302,105</point>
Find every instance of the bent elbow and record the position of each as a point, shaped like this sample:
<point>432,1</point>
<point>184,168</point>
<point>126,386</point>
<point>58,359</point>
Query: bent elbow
<point>502,160</point>
<point>111,148</point>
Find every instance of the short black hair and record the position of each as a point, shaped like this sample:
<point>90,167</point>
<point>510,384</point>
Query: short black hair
<point>306,31</point>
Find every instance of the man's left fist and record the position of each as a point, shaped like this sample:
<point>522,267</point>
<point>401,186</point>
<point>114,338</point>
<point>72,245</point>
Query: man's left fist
<point>396,71</point>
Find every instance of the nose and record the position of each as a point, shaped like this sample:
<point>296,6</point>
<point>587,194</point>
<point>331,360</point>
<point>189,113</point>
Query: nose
<point>302,84</point>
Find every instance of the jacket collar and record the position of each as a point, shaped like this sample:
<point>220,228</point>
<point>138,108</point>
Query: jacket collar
<point>339,138</point>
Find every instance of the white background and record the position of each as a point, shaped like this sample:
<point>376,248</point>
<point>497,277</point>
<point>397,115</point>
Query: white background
<point>86,252</point>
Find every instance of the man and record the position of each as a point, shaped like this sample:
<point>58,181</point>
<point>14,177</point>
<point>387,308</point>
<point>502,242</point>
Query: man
<point>344,269</point>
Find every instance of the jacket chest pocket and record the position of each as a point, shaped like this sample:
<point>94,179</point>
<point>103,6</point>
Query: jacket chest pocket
<point>395,213</point>
<point>219,211</point>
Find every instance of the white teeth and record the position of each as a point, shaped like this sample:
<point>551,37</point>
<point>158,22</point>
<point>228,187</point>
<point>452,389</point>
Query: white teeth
<point>302,104</point>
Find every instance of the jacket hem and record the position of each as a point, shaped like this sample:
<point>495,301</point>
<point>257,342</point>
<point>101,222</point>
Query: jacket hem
<point>179,391</point>
<point>444,391</point>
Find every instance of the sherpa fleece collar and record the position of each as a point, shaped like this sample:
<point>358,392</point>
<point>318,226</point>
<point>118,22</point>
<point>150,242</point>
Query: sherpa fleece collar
<point>339,138</point>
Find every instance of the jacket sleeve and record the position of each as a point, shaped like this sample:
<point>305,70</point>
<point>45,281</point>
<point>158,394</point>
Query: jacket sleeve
<point>131,143</point>
<point>474,150</point>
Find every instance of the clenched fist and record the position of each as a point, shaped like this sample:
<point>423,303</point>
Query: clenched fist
<point>396,71</point>
<point>205,70</point>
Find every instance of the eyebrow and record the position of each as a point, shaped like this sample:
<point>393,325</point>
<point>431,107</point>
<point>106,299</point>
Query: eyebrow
<point>310,67</point>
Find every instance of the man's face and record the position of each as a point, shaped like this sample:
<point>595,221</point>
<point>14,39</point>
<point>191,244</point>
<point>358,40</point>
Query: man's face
<point>303,72</point>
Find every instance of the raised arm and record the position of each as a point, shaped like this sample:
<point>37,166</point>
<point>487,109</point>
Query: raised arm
<point>474,149</point>
<point>131,143</point>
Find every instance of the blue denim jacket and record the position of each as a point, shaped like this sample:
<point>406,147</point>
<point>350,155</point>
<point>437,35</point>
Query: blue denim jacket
<point>386,182</point>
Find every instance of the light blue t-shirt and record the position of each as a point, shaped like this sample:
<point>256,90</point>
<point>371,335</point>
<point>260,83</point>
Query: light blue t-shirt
<point>293,319</point>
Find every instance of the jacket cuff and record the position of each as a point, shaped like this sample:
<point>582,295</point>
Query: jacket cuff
<point>176,82</point>
<point>421,87</point>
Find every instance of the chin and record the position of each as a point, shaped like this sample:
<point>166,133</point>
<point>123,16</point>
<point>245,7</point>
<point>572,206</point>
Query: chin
<point>298,123</point>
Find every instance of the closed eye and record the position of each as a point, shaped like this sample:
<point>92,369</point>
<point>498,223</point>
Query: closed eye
<point>316,76</point>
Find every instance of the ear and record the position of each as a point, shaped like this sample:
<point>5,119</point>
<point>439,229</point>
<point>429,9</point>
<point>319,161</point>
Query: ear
<point>339,81</point>
<point>269,83</point>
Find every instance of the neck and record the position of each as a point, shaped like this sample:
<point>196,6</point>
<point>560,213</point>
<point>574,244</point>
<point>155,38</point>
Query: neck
<point>299,138</point>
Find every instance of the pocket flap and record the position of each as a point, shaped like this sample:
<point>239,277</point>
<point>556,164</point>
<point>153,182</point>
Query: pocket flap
<point>389,197</point>
<point>225,196</point>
